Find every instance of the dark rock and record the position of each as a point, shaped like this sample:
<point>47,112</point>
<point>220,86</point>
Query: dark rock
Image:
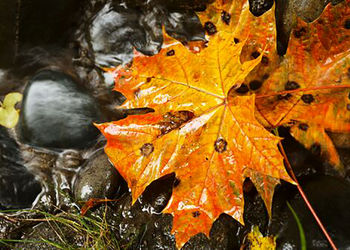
<point>116,30</point>
<point>303,161</point>
<point>226,233</point>
<point>329,197</point>
<point>259,7</point>
<point>198,242</point>
<point>57,113</point>
<point>98,179</point>
<point>18,187</point>
<point>54,232</point>
<point>184,26</point>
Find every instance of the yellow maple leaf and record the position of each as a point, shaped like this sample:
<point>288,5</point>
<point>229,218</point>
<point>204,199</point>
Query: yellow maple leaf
<point>8,113</point>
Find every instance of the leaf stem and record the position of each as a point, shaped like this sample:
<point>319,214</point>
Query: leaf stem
<point>290,170</point>
<point>304,90</point>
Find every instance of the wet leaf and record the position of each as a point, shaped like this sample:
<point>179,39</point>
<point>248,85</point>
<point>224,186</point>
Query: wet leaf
<point>316,70</point>
<point>8,113</point>
<point>258,241</point>
<point>200,129</point>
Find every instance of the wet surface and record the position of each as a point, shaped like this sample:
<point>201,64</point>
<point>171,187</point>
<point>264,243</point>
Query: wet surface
<point>329,197</point>
<point>119,28</point>
<point>56,149</point>
<point>18,187</point>
<point>97,179</point>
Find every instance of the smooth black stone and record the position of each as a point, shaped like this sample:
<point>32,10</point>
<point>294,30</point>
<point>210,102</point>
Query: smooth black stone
<point>259,7</point>
<point>329,197</point>
<point>57,113</point>
<point>18,187</point>
<point>98,179</point>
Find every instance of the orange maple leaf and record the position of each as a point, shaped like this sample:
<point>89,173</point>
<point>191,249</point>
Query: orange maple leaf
<point>317,67</point>
<point>207,136</point>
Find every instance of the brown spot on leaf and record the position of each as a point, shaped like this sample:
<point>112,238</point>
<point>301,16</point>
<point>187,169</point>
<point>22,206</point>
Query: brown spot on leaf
<point>347,24</point>
<point>225,17</point>
<point>210,28</point>
<point>196,214</point>
<point>265,76</point>
<point>170,52</point>
<point>303,126</point>
<point>291,85</point>
<point>307,98</point>
<point>176,182</point>
<point>255,84</point>
<point>265,61</point>
<point>173,120</point>
<point>220,145</point>
<point>147,149</point>
<point>243,89</point>
<point>284,97</point>
<point>236,40</point>
<point>255,54</point>
<point>299,32</point>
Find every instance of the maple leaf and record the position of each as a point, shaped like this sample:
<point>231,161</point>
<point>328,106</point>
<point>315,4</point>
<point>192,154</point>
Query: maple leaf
<point>319,66</point>
<point>200,131</point>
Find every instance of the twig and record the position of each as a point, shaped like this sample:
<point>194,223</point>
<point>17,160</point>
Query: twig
<point>290,170</point>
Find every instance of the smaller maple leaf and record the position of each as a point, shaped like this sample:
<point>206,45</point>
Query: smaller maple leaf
<point>318,73</point>
<point>9,115</point>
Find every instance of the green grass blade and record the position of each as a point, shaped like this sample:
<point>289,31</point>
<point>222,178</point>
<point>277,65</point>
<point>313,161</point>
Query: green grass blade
<point>300,227</point>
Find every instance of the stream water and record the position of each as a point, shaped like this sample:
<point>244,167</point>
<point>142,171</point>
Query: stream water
<point>52,52</point>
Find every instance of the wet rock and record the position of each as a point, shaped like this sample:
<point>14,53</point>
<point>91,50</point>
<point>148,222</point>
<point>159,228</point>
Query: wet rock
<point>98,179</point>
<point>259,7</point>
<point>18,187</point>
<point>303,161</point>
<point>139,229</point>
<point>54,233</point>
<point>57,113</point>
<point>199,241</point>
<point>117,29</point>
<point>226,233</point>
<point>329,197</point>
